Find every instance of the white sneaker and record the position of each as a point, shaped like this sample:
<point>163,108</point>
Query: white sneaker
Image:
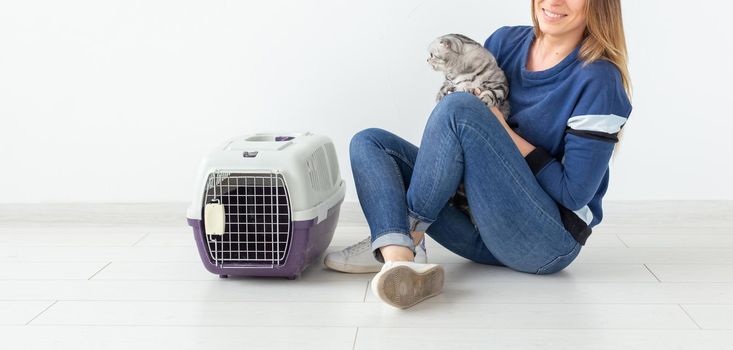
<point>403,284</point>
<point>358,258</point>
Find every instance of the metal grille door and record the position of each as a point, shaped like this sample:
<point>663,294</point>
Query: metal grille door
<point>257,219</point>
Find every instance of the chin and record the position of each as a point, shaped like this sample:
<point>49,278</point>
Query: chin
<point>554,29</point>
<point>549,30</point>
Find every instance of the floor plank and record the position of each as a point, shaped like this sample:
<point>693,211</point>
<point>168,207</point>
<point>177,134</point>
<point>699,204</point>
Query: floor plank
<point>298,314</point>
<point>69,236</point>
<point>11,270</point>
<point>700,240</point>
<point>269,290</point>
<point>540,339</point>
<point>21,312</point>
<point>692,272</point>
<point>178,338</point>
<point>711,316</point>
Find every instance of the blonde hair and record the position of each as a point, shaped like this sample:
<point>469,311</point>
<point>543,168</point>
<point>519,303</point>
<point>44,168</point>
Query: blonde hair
<point>603,39</point>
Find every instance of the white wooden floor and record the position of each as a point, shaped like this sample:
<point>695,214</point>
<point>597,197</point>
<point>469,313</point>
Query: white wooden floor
<point>654,275</point>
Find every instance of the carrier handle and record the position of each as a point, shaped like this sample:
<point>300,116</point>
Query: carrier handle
<point>275,137</point>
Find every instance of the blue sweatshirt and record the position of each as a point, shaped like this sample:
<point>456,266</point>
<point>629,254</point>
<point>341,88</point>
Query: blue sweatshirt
<point>572,113</point>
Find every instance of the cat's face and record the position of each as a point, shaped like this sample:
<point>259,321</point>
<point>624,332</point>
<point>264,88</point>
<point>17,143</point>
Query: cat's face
<point>444,51</point>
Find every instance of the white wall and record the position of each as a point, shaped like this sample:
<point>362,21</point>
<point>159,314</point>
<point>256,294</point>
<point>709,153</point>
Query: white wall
<point>117,101</point>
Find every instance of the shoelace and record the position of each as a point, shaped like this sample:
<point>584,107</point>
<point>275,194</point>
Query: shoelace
<point>365,244</point>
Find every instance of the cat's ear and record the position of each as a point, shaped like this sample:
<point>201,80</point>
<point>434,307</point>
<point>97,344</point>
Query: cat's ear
<point>446,43</point>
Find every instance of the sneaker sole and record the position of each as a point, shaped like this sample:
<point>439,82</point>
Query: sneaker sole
<point>404,287</point>
<point>334,265</point>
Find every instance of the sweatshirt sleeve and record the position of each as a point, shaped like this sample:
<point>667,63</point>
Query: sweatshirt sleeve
<point>494,42</point>
<point>599,114</point>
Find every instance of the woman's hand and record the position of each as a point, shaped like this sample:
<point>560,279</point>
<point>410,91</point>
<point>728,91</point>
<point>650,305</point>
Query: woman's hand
<point>522,144</point>
<point>494,109</point>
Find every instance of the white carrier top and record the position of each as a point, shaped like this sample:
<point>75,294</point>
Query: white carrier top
<point>306,162</point>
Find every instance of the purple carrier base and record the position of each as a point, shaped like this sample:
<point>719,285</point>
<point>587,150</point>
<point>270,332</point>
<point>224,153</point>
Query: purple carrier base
<point>308,241</point>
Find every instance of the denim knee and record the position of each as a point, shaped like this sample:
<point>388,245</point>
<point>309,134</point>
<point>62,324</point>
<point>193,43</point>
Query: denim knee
<point>362,139</point>
<point>458,99</point>
<point>366,135</point>
<point>447,108</point>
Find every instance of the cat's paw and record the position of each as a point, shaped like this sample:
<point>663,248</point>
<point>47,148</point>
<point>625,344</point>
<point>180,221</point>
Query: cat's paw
<point>488,99</point>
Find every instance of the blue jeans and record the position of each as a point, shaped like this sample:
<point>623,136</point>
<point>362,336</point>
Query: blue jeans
<point>517,224</point>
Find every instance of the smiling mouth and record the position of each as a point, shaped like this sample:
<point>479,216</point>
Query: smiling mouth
<point>552,14</point>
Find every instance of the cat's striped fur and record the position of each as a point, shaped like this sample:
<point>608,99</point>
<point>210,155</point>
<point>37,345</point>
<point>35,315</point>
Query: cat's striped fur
<point>467,65</point>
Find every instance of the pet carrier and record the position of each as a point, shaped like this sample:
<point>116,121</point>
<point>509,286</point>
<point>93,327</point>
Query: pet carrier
<point>266,204</point>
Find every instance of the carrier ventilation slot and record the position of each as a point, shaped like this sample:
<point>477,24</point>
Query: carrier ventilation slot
<point>333,163</point>
<point>318,174</point>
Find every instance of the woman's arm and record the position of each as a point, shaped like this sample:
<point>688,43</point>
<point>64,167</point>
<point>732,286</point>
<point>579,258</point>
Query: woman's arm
<point>572,178</point>
<point>524,147</point>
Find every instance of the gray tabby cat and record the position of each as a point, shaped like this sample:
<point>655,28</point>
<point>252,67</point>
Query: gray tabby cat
<point>467,65</point>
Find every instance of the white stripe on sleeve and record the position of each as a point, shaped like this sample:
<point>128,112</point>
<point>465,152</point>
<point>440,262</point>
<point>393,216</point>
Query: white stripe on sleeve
<point>585,214</point>
<point>608,123</point>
